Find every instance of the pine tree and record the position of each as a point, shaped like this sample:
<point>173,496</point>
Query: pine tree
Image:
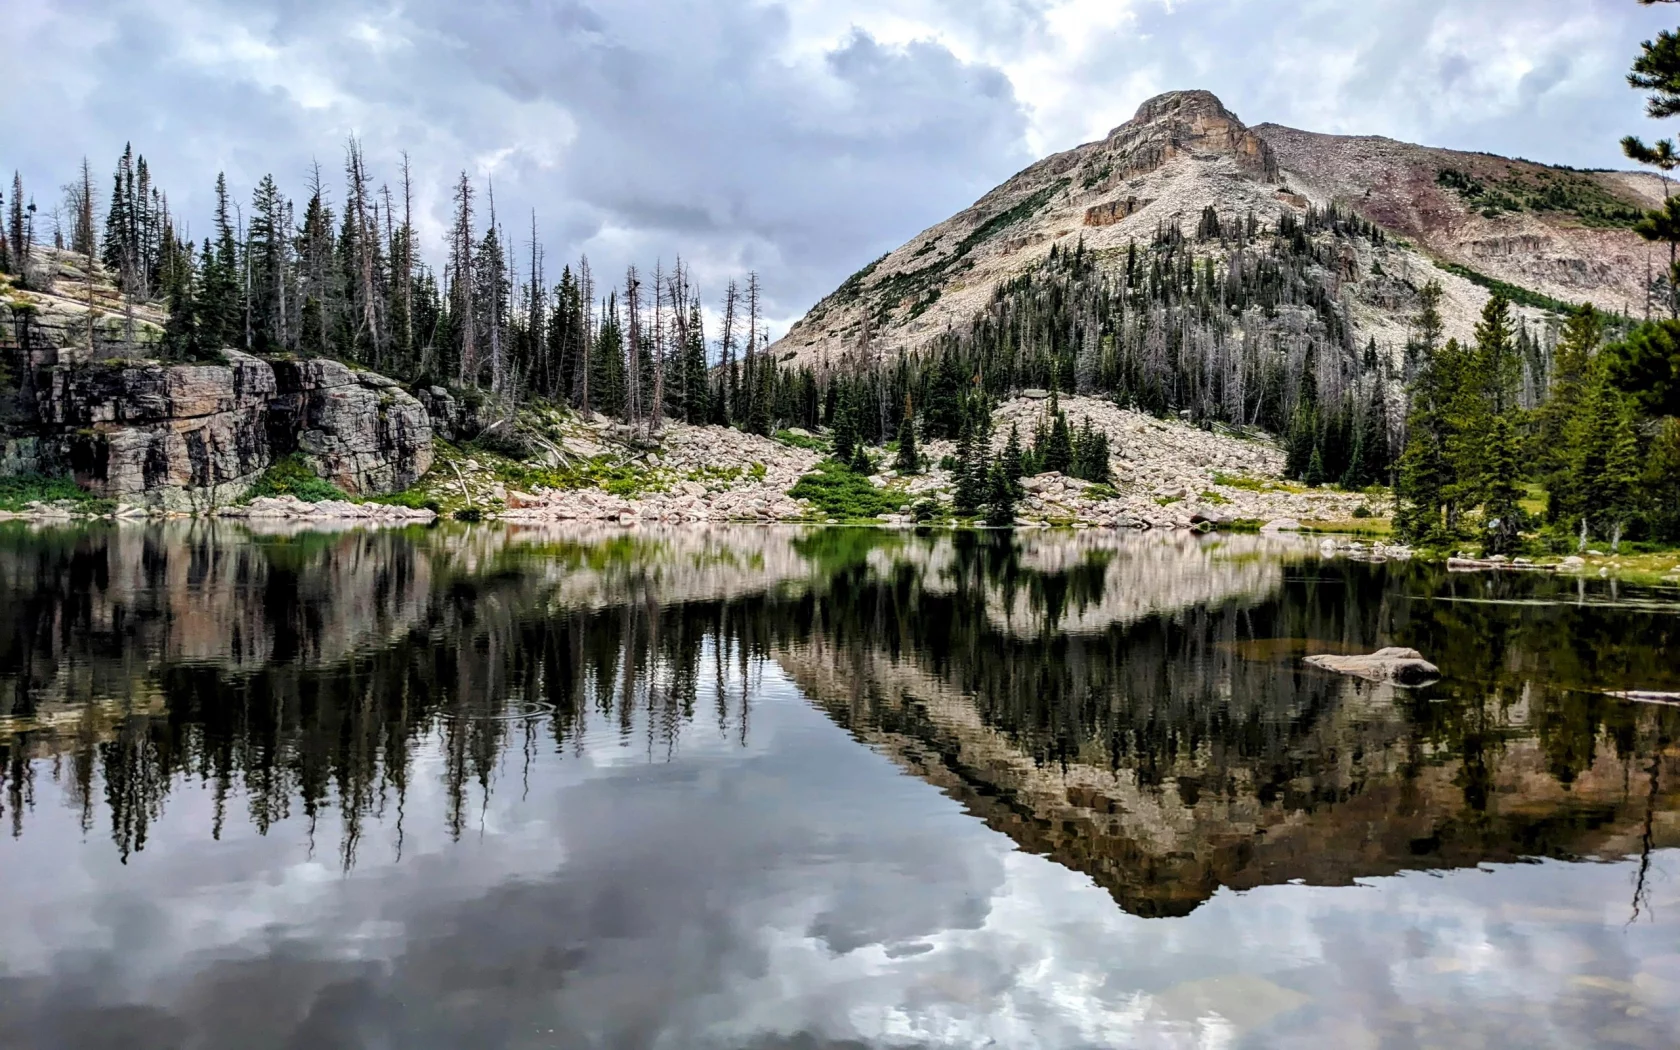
<point>1502,510</point>
<point>1620,489</point>
<point>1662,481</point>
<point>844,425</point>
<point>1557,422</point>
<point>1497,359</point>
<point>1606,463</point>
<point>1000,497</point>
<point>1058,448</point>
<point>970,493</point>
<point>906,463</point>
<point>1011,460</point>
<point>1090,454</point>
<point>1315,469</point>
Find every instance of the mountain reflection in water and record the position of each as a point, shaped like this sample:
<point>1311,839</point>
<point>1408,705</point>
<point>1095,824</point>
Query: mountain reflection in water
<point>511,787</point>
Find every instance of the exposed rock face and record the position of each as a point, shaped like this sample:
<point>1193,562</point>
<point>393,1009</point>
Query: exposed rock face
<point>1401,186</point>
<point>1186,122</point>
<point>191,437</point>
<point>360,430</point>
<point>79,398</point>
<point>1184,152</point>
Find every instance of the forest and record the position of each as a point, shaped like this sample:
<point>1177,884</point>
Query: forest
<point>1240,323</point>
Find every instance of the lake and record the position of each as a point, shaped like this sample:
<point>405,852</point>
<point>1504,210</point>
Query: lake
<point>468,786</point>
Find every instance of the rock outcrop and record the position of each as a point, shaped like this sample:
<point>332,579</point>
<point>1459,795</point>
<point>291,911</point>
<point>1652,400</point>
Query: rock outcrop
<point>1184,153</point>
<point>193,437</point>
<point>1398,665</point>
<point>82,397</point>
<point>359,430</point>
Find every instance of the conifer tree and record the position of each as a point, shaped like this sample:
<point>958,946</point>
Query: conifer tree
<point>845,428</point>
<point>1058,447</point>
<point>1662,481</point>
<point>969,490</point>
<point>1000,497</point>
<point>1502,510</point>
<point>906,463</point>
<point>1011,460</point>
<point>1315,469</point>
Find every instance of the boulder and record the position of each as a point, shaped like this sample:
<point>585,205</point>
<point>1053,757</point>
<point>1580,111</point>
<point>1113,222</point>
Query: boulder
<point>1401,666</point>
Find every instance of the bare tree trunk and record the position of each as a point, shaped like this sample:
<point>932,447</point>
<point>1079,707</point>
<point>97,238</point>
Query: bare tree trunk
<point>656,412</point>
<point>586,295</point>
<point>406,289</point>
<point>633,349</point>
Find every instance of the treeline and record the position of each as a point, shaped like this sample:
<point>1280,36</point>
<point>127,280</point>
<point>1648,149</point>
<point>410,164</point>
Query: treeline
<point>347,280</point>
<point>1602,443</point>
<point>1240,324</point>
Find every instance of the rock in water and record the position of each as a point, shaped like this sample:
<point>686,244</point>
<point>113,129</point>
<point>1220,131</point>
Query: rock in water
<point>1398,665</point>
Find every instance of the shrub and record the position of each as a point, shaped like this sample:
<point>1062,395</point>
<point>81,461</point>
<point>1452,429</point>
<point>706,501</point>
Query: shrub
<point>1362,511</point>
<point>291,476</point>
<point>837,491</point>
<point>18,491</point>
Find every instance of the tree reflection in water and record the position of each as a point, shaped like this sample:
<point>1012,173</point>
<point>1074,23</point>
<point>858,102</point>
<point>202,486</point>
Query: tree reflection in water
<point>1133,707</point>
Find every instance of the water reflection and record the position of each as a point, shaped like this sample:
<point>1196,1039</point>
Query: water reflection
<point>585,787</point>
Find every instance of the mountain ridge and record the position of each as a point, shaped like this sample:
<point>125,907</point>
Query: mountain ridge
<point>1557,232</point>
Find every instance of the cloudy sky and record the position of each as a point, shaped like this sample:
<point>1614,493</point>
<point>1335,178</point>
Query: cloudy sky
<point>797,137</point>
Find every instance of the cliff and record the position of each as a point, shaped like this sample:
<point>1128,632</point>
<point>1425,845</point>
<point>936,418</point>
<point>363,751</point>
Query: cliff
<point>81,399</point>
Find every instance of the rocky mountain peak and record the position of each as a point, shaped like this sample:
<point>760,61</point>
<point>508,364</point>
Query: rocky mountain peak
<point>1190,122</point>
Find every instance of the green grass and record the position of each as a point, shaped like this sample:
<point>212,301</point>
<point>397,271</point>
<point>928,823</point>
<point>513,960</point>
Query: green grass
<point>837,492</point>
<point>18,491</point>
<point>1239,481</point>
<point>292,476</point>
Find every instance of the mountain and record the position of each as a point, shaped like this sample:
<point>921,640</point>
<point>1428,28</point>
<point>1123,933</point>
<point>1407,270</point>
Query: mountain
<point>1467,220</point>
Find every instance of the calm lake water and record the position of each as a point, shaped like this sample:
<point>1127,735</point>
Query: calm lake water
<point>777,788</point>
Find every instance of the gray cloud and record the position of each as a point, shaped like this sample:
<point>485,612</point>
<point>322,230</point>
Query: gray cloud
<point>791,136</point>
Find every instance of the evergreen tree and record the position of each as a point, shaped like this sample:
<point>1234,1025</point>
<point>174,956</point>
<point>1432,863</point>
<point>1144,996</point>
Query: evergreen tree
<point>1662,481</point>
<point>1090,454</point>
<point>970,479</point>
<point>1502,510</point>
<point>906,463</point>
<point>1557,419</point>
<point>1058,447</point>
<point>1315,469</point>
<point>1011,460</point>
<point>942,413</point>
<point>844,426</point>
<point>1000,497</point>
<point>1497,359</point>
<point>1619,490</point>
